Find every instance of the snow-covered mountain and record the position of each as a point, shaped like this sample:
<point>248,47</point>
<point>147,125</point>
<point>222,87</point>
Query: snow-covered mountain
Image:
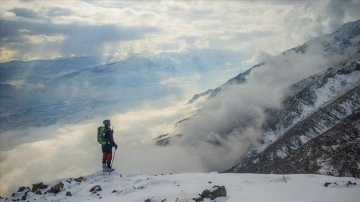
<point>313,126</point>
<point>193,187</point>
<point>43,92</point>
<point>317,130</point>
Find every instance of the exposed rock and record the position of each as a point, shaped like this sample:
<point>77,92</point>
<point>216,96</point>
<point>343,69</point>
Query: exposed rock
<point>349,183</point>
<point>80,179</point>
<point>215,192</point>
<point>68,193</point>
<point>95,189</point>
<point>24,196</point>
<point>37,186</point>
<point>150,199</point>
<point>56,188</point>
<point>21,189</point>
<point>327,184</point>
<point>38,192</point>
<point>337,148</point>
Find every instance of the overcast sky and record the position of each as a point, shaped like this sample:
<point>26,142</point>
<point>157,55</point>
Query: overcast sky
<point>38,29</point>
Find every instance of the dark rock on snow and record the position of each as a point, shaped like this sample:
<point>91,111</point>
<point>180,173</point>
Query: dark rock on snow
<point>215,192</point>
<point>56,188</point>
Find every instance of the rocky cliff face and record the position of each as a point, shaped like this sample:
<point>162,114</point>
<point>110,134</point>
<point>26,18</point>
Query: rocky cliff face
<point>334,152</point>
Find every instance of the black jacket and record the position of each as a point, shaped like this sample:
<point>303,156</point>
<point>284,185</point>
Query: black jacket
<point>107,148</point>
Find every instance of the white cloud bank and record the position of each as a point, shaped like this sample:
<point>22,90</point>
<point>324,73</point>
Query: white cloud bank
<point>58,151</point>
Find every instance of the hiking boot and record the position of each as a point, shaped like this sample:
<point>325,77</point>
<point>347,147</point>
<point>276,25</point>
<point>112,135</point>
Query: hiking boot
<point>109,169</point>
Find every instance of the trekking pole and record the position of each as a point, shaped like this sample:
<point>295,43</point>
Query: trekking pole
<point>112,160</point>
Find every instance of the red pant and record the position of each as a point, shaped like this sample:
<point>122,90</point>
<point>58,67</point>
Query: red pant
<point>107,157</point>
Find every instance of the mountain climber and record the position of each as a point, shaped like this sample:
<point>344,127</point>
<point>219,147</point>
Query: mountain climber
<point>107,148</point>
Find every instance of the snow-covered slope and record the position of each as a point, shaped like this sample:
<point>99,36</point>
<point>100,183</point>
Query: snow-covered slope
<point>313,105</point>
<point>346,38</point>
<point>189,186</point>
<point>320,105</point>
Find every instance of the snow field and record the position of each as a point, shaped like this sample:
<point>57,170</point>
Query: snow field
<point>184,187</point>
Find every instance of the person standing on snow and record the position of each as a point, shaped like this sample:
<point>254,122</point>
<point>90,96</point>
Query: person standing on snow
<point>107,148</point>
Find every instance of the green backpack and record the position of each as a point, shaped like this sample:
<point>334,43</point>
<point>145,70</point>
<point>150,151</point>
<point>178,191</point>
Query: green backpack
<point>101,135</point>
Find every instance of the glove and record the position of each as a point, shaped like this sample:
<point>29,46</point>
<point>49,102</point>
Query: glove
<point>115,147</point>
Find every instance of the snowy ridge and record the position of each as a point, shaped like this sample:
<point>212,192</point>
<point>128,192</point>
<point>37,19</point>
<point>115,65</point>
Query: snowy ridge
<point>346,39</point>
<point>326,142</point>
<point>314,106</point>
<point>339,99</point>
<point>330,89</point>
<point>188,186</point>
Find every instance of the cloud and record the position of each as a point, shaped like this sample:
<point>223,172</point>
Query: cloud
<point>176,26</point>
<point>60,151</point>
<point>172,81</point>
<point>228,124</point>
<point>55,153</point>
<point>25,13</point>
<point>66,39</point>
<point>38,39</point>
<point>7,55</point>
<point>56,12</point>
<point>339,10</point>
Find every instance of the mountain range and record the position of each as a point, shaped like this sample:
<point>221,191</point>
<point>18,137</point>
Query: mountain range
<point>69,90</point>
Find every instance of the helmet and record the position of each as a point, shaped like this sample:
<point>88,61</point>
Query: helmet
<point>106,122</point>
